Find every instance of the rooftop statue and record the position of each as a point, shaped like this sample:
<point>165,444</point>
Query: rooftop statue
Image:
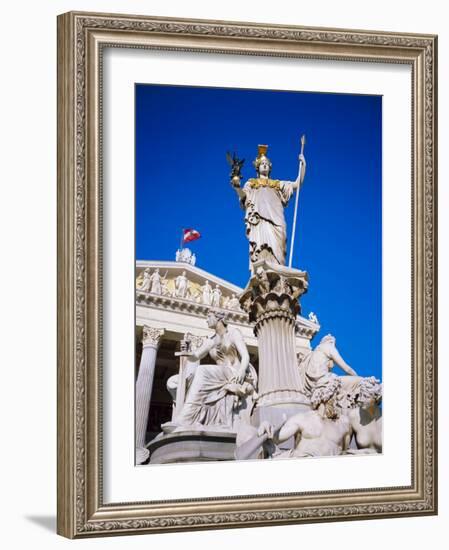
<point>185,255</point>
<point>146,284</point>
<point>181,285</point>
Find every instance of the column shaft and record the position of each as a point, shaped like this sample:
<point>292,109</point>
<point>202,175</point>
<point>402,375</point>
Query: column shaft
<point>279,379</point>
<point>144,387</point>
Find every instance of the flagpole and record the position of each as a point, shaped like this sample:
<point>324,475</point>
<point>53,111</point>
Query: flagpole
<point>182,238</point>
<point>292,244</point>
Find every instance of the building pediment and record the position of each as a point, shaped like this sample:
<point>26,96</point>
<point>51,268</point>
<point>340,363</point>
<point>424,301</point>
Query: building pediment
<point>196,280</point>
<point>173,269</point>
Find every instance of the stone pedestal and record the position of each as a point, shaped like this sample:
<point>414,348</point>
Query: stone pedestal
<point>191,445</point>
<point>271,300</point>
<point>144,386</point>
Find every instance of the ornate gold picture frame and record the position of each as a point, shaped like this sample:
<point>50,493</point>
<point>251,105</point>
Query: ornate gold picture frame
<point>82,41</point>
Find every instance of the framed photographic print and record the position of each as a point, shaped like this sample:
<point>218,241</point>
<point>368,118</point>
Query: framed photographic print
<point>247,274</point>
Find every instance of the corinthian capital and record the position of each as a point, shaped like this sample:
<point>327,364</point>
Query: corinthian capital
<point>151,336</point>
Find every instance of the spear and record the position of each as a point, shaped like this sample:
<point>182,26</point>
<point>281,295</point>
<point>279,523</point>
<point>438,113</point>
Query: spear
<point>303,142</point>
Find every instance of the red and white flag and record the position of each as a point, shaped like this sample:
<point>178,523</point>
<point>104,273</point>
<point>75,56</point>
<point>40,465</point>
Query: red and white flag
<point>190,235</point>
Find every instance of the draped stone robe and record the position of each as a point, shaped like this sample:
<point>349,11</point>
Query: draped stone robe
<point>264,201</point>
<point>211,398</point>
<point>315,370</point>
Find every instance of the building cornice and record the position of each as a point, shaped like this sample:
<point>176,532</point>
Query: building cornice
<point>304,327</point>
<point>182,305</point>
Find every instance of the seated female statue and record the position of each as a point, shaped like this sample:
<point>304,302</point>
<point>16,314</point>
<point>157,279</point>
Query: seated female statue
<point>218,393</point>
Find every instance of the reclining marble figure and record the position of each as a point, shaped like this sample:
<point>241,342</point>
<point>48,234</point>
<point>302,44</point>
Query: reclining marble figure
<point>315,368</point>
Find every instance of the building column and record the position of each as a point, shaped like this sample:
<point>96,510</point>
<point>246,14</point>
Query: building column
<point>144,385</point>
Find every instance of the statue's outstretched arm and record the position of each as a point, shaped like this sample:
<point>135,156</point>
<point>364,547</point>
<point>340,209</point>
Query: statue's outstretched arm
<point>239,190</point>
<point>338,360</point>
<point>290,428</point>
<point>301,173</point>
<point>202,351</point>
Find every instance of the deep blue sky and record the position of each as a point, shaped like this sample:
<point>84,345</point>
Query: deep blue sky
<point>182,180</point>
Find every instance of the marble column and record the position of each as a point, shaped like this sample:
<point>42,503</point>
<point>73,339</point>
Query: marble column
<point>144,385</point>
<point>279,380</point>
<point>271,300</point>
